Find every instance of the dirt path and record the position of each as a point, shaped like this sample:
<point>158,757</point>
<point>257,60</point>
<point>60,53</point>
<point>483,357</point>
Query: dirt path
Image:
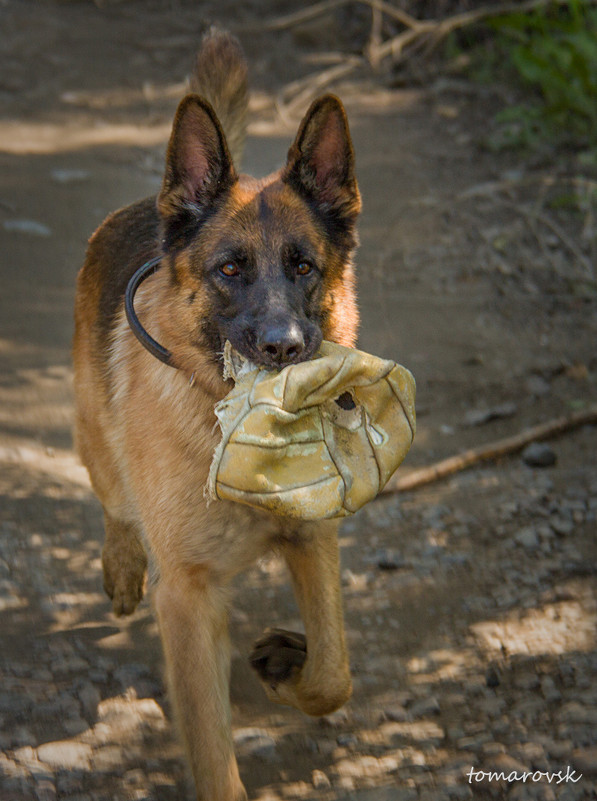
<point>471,605</point>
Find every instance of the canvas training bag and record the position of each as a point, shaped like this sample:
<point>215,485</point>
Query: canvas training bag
<point>315,440</point>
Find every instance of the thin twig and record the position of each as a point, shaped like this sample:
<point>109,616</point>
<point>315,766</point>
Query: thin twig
<point>537,216</point>
<point>572,247</point>
<point>306,89</point>
<point>317,9</point>
<point>493,450</point>
<point>371,51</point>
<point>394,13</point>
<point>306,15</point>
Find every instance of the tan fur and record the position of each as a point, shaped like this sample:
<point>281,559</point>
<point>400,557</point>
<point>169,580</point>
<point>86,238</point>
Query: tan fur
<point>155,439</point>
<point>220,76</point>
<point>147,437</point>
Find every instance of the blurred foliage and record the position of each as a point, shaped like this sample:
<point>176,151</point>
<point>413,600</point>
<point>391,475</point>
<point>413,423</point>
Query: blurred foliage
<point>551,53</point>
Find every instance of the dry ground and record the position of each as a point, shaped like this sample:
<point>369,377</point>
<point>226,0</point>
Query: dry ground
<point>470,605</point>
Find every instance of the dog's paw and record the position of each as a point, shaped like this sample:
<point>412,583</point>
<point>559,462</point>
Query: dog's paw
<point>124,584</point>
<point>278,655</point>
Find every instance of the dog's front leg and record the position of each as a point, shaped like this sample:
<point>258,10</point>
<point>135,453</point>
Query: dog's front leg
<point>192,613</point>
<point>311,673</point>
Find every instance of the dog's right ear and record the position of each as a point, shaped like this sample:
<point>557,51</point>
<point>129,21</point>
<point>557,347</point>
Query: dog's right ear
<point>199,167</point>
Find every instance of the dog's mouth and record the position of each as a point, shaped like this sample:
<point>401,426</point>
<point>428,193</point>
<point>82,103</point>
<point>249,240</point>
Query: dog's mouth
<point>235,364</point>
<point>275,356</point>
<point>241,358</point>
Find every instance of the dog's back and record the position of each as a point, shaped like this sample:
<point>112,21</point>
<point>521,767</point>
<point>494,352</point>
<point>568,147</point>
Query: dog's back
<point>128,238</point>
<point>131,236</point>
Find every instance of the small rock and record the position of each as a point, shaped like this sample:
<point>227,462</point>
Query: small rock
<point>136,776</point>
<point>396,713</point>
<point>559,749</point>
<point>256,743</point>
<point>585,760</point>
<point>30,227</point>
<point>492,676</point>
<point>10,595</point>
<point>320,780</point>
<point>90,698</point>
<point>335,719</point>
<point>355,581</point>
<point>549,690</point>
<point>45,789</point>
<point>74,726</point>
<point>561,526</point>
<point>129,674</point>
<point>527,681</point>
<point>507,763</point>
<point>492,748</point>
<point>492,705</point>
<point>98,676</point>
<point>478,417</point>
<point>68,664</point>
<point>65,754</point>
<point>538,454</point>
<point>527,538</point>
<point>532,753</point>
<point>107,758</point>
<point>536,385</point>
<point>361,765</point>
<point>66,176</point>
<point>388,559</point>
<point>425,707</point>
<point>127,714</point>
<point>474,742</point>
<point>25,756</point>
<point>577,713</point>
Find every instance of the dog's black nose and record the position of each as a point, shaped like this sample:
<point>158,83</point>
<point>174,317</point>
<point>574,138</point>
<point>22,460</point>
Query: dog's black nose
<point>281,343</point>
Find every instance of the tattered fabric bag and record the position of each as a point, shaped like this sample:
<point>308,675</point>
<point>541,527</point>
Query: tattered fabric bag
<point>318,439</point>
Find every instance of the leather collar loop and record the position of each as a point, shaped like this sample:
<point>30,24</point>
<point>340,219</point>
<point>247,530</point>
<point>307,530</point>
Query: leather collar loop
<point>148,342</point>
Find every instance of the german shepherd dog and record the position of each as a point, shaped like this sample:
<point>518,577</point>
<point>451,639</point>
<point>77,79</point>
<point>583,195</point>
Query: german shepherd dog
<point>266,265</point>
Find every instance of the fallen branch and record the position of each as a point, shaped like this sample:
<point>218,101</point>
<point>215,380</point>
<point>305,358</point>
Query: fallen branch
<point>417,34</point>
<point>317,9</point>
<point>493,450</point>
<point>430,30</point>
<point>303,91</point>
<point>436,30</point>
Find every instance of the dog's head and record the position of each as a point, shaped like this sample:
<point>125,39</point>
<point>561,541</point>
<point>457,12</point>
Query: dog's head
<point>263,264</point>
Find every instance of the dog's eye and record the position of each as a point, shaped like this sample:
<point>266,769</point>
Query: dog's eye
<point>303,268</point>
<point>230,269</point>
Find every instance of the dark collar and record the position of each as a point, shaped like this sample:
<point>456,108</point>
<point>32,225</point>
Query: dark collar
<point>148,342</point>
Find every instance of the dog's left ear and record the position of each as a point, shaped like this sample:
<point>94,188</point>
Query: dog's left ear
<point>199,167</point>
<point>320,162</point>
